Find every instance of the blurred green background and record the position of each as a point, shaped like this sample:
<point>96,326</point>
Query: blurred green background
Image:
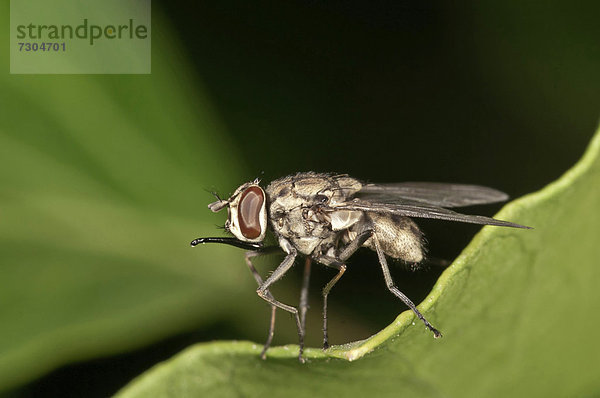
<point>104,180</point>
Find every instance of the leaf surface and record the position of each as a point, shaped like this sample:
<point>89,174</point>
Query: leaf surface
<point>518,309</point>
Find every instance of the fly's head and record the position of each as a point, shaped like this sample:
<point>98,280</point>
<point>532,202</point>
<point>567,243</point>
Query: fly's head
<point>247,212</point>
<point>247,217</point>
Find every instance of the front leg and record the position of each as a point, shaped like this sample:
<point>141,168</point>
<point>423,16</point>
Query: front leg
<point>249,255</point>
<point>263,290</point>
<point>303,306</point>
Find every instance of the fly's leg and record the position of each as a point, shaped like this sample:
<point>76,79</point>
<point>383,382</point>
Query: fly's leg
<point>354,245</point>
<point>348,251</point>
<point>263,291</point>
<point>392,288</point>
<point>259,281</point>
<point>303,307</point>
<point>341,269</point>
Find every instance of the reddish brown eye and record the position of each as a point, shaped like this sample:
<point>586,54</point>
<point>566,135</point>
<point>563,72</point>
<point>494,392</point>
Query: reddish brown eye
<point>249,212</point>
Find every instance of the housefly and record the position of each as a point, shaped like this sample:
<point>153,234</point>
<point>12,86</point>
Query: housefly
<point>327,217</point>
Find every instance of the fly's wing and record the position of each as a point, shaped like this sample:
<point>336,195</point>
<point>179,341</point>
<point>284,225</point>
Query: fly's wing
<point>432,193</point>
<point>411,208</point>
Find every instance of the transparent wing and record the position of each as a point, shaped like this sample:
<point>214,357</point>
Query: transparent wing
<point>433,193</point>
<point>410,208</point>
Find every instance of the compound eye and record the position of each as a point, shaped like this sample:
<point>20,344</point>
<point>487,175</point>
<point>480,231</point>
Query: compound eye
<point>249,209</point>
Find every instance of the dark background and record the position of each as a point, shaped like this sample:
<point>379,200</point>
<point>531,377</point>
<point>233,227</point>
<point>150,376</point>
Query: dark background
<point>503,94</point>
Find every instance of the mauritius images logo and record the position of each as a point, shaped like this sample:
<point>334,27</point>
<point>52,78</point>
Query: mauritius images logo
<point>71,36</point>
<point>85,31</point>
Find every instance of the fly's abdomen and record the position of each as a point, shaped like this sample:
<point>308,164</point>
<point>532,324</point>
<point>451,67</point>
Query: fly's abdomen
<point>399,237</point>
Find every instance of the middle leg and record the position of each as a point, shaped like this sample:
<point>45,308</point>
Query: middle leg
<point>338,264</point>
<point>341,269</point>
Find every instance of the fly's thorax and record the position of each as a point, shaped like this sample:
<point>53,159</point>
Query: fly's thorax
<point>399,237</point>
<point>296,203</point>
<point>306,228</point>
<point>296,206</point>
<point>307,186</point>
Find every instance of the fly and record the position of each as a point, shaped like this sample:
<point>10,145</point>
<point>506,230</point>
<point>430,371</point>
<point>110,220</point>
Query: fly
<point>328,217</point>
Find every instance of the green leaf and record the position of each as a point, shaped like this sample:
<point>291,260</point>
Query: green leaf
<point>102,186</point>
<point>518,309</point>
